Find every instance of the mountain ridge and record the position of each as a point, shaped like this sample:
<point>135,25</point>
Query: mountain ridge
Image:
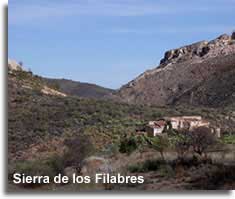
<point>81,89</point>
<point>186,75</point>
<point>181,71</point>
<point>63,86</point>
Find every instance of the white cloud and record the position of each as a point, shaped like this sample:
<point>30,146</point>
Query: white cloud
<point>20,12</point>
<point>171,29</point>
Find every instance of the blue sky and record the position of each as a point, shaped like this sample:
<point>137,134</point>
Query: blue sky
<point>108,42</point>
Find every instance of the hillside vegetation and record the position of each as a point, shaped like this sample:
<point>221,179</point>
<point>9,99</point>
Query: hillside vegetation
<point>35,117</point>
<point>84,90</point>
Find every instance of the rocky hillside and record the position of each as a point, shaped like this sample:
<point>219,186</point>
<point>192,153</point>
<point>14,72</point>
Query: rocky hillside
<point>62,86</point>
<point>85,90</point>
<point>197,74</point>
<point>39,115</point>
<point>20,80</point>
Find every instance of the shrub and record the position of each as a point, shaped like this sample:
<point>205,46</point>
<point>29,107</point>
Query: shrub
<point>136,168</point>
<point>159,143</point>
<point>111,150</point>
<point>182,143</point>
<point>78,148</point>
<point>228,139</point>
<point>148,165</point>
<point>56,162</point>
<point>166,170</point>
<point>50,166</point>
<point>128,144</point>
<point>201,139</point>
<point>151,165</point>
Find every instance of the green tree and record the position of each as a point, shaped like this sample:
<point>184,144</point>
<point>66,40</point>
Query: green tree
<point>159,143</point>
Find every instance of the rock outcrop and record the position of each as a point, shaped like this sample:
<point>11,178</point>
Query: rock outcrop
<point>13,65</point>
<point>182,71</point>
<point>49,91</point>
<point>19,79</point>
<point>202,49</point>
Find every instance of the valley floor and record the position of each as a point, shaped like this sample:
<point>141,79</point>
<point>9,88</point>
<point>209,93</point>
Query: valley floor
<point>217,174</point>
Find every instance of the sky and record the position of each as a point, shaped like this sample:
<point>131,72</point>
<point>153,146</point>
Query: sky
<point>108,42</point>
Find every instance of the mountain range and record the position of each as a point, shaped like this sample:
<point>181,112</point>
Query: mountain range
<point>200,74</point>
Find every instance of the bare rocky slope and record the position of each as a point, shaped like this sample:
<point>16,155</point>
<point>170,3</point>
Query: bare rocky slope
<point>197,74</point>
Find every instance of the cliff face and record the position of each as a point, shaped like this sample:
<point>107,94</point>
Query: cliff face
<point>198,74</point>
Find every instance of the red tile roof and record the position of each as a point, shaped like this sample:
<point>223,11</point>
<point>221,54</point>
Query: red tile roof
<point>158,124</point>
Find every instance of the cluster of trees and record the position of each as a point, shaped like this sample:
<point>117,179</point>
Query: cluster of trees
<point>80,147</point>
<point>196,142</point>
